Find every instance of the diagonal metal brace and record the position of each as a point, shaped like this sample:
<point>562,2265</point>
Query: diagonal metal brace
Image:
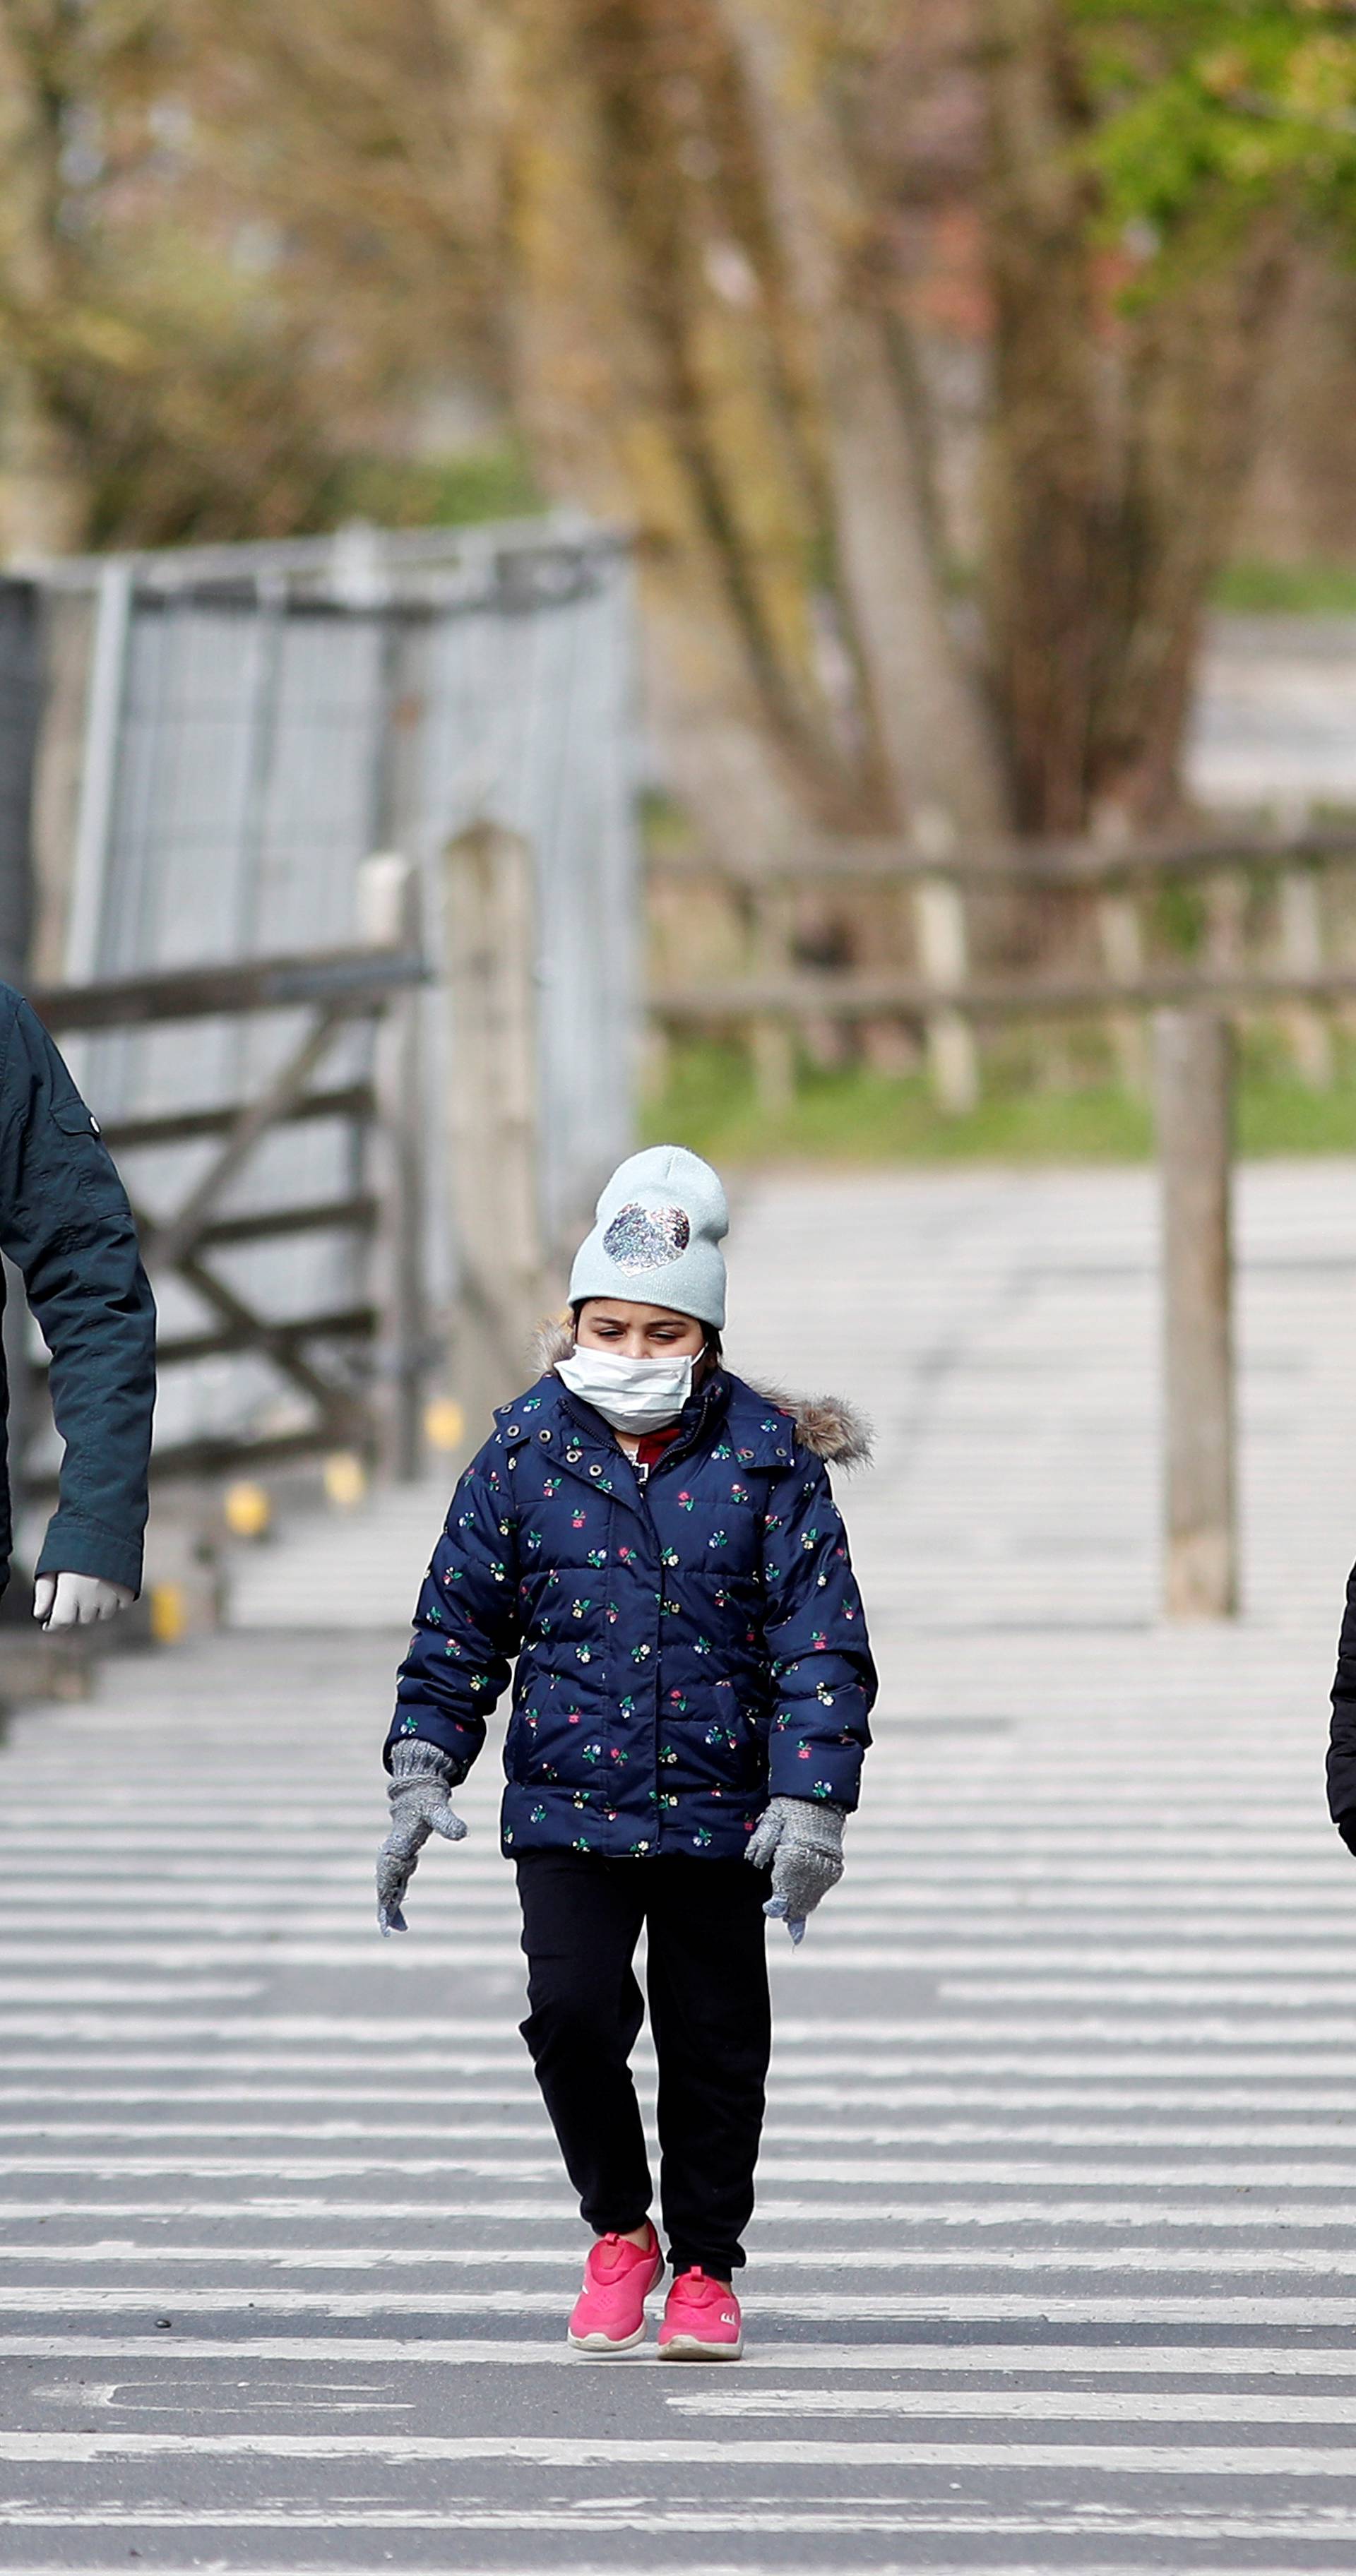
<point>167,1244</point>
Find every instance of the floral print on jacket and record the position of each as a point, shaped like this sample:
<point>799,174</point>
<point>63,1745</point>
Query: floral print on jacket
<point>686,1648</point>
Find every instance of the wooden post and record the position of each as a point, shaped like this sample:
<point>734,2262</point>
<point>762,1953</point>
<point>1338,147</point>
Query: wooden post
<point>1301,924</point>
<point>1193,1063</point>
<point>490,969</point>
<point>772,1041</point>
<point>1120,929</point>
<point>942,936</point>
<point>1225,893</point>
<point>389,914</point>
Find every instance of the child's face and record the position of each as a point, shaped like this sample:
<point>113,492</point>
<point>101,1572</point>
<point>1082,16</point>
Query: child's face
<point>637,1332</point>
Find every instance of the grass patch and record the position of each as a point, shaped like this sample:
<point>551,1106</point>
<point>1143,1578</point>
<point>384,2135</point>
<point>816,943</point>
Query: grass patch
<point>1256,588</point>
<point>858,1116</point>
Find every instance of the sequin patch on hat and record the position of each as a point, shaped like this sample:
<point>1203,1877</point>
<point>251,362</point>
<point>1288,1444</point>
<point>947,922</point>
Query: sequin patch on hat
<point>646,1238</point>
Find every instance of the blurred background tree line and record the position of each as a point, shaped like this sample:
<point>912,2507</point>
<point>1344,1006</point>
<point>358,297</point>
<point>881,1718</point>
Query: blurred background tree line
<point>942,353</point>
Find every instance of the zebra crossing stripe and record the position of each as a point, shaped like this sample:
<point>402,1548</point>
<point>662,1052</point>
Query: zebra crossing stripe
<point>584,2450</point>
<point>938,2362</point>
<point>1269,2311</point>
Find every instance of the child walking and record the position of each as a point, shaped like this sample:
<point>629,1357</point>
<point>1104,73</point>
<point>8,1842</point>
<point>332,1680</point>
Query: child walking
<point>657,1544</point>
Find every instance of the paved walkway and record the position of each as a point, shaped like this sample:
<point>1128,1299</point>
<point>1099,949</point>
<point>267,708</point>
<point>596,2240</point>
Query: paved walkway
<point>1053,2267</point>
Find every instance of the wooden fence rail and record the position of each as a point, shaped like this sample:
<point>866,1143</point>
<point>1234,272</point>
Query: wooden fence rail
<point>1098,902</point>
<point>1004,867</point>
<point>958,977</point>
<point>980,997</point>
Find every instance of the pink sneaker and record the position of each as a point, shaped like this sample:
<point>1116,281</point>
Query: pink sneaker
<point>701,2321</point>
<point>609,2313</point>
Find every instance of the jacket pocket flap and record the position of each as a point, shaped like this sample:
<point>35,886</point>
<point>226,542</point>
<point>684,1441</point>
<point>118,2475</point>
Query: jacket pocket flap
<point>74,1119</point>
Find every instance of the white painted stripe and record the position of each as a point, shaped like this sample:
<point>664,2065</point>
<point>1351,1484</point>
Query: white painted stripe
<point>1311,1984</point>
<point>339,1865</point>
<point>917,1803</point>
<point>788,2096</point>
<point>804,2305</point>
<point>294,2168</point>
<point>365,1950</point>
<point>1128,2409</point>
<point>1010,2033</point>
<point>233,2209</point>
<point>987,2075</point>
<point>1125,1892</point>
<point>591,2450</point>
<point>316,2131</point>
<point>307,2258</point>
<point>1120,2093</point>
<point>389,2030</point>
<point>419,2096</point>
<point>457,2064</point>
<point>921,1830</point>
<point>1322,2262</point>
<point>1172,1973</point>
<point>1118,1998</point>
<point>1215,1916</point>
<point>797,2170</point>
<point>936,2361</point>
<point>1055,2135</point>
<point>952,2033</point>
<point>37,1986</point>
<point>1242,2214</point>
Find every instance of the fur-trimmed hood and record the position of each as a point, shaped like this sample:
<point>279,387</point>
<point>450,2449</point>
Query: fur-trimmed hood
<point>830,1428</point>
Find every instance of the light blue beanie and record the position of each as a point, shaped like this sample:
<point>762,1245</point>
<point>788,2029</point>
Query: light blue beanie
<point>660,1223</point>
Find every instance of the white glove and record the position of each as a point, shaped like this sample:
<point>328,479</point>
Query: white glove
<point>78,1600</point>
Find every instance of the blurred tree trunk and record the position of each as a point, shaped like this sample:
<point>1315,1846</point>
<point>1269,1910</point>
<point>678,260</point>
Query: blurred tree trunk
<point>656,379</point>
<point>42,493</point>
<point>1195,381</point>
<point>931,730</point>
<point>44,498</point>
<point>700,352</point>
<point>1121,440</point>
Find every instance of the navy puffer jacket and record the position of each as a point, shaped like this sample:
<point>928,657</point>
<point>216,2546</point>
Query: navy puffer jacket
<point>685,1650</point>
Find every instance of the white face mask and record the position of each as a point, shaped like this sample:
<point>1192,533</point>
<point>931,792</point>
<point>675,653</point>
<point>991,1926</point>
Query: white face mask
<point>631,1395</point>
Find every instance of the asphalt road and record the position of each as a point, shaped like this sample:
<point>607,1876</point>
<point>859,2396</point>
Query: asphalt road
<point>1053,2267</point>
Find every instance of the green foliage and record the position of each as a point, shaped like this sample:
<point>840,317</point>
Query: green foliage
<point>1178,915</point>
<point>1211,111</point>
<point>857,1116</point>
<point>442,492</point>
<point>665,824</point>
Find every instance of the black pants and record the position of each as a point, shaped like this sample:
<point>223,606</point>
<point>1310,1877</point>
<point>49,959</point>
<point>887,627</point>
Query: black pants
<point>709,2011</point>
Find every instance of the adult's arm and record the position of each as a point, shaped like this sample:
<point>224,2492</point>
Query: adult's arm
<point>1342,1741</point>
<point>67,1227</point>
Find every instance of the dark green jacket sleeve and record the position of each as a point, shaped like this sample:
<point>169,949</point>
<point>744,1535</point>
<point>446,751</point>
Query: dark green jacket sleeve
<point>66,1225</point>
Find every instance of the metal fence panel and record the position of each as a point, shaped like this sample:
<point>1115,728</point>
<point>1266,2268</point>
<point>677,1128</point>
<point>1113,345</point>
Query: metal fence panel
<point>260,720</point>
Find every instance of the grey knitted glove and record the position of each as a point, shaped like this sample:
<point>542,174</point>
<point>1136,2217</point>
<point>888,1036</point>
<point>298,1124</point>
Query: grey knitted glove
<point>420,1779</point>
<point>801,1841</point>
